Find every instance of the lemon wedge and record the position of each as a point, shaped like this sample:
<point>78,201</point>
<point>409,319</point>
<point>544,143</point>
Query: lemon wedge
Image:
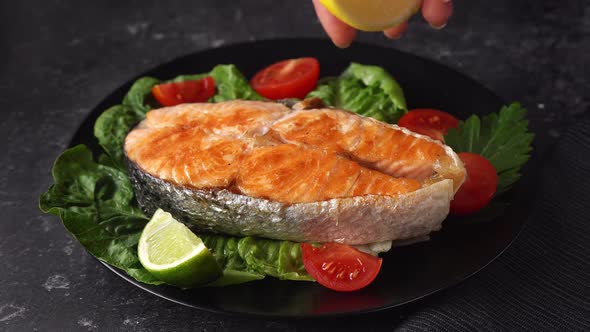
<point>372,15</point>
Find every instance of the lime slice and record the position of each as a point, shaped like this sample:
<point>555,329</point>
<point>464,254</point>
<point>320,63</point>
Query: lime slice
<point>372,15</point>
<point>171,252</point>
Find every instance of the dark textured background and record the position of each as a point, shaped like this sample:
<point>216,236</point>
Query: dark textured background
<point>58,59</point>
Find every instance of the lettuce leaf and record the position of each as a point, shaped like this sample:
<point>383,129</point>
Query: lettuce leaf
<point>366,90</point>
<point>235,269</point>
<point>246,259</point>
<point>280,259</point>
<point>503,138</point>
<point>230,84</point>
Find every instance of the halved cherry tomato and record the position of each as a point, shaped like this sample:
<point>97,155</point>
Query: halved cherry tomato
<point>479,186</point>
<point>340,267</point>
<point>293,78</point>
<point>429,122</point>
<point>174,93</point>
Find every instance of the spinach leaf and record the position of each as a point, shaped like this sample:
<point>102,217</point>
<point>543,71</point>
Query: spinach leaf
<point>112,127</point>
<point>139,91</point>
<point>96,204</point>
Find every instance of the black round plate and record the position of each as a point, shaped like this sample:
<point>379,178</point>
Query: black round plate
<point>459,250</point>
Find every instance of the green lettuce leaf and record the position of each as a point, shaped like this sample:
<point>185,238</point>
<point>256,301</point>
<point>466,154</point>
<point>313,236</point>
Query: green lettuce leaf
<point>96,204</point>
<point>230,84</point>
<point>280,259</point>
<point>503,138</point>
<point>235,269</point>
<point>366,90</point>
<point>247,258</point>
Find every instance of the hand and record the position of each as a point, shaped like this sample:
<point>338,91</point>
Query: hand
<point>435,12</point>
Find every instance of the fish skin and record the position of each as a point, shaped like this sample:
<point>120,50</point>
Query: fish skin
<point>352,220</point>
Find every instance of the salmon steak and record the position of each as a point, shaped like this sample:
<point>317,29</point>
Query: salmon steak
<point>255,168</point>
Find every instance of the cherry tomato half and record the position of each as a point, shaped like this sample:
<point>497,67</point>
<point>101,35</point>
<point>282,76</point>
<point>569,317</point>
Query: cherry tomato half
<point>174,93</point>
<point>340,267</point>
<point>293,78</point>
<point>429,122</point>
<point>479,186</point>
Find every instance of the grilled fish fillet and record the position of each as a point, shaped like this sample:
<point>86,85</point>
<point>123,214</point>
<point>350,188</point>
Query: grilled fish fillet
<point>262,169</point>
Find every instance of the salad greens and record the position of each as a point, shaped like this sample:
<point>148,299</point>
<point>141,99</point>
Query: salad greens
<point>247,258</point>
<point>94,198</point>
<point>96,202</point>
<point>502,138</point>
<point>367,90</point>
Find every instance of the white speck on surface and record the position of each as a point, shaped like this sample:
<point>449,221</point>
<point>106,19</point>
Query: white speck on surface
<point>69,249</point>
<point>135,28</point>
<point>133,321</point>
<point>158,36</point>
<point>47,224</point>
<point>217,42</point>
<point>541,106</point>
<point>11,311</point>
<point>57,281</point>
<point>87,323</point>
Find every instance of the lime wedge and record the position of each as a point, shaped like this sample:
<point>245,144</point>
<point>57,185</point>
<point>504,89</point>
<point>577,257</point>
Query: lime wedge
<point>372,15</point>
<point>171,252</point>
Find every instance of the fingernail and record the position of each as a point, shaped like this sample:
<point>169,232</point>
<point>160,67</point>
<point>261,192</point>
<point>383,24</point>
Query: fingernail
<point>438,27</point>
<point>343,45</point>
<point>394,37</point>
<point>446,1</point>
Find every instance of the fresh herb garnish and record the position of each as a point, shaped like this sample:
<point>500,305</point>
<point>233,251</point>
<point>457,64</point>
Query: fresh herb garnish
<point>503,138</point>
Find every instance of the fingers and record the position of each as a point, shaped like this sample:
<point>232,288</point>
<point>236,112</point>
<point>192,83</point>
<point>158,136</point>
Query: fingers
<point>437,12</point>
<point>397,31</point>
<point>341,33</point>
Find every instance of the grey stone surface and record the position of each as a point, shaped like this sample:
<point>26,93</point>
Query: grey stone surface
<point>58,59</point>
